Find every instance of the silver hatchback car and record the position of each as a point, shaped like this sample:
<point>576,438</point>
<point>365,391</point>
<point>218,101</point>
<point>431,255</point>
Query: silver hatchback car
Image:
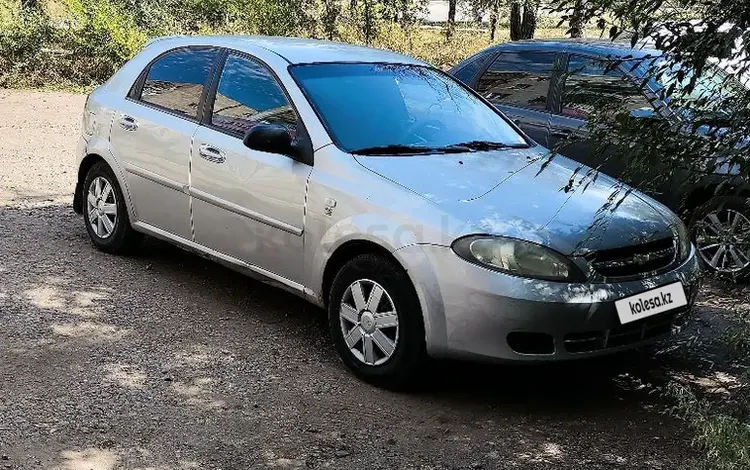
<point>385,191</point>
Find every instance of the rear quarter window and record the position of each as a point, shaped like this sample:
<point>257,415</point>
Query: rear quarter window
<point>468,71</point>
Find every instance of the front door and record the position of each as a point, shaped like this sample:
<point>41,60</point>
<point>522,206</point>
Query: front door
<point>248,204</point>
<point>152,135</point>
<point>589,85</point>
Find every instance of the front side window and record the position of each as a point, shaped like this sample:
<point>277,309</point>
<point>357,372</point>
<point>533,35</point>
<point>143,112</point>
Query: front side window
<point>592,84</point>
<point>390,106</point>
<point>175,81</point>
<point>248,94</point>
<point>519,79</point>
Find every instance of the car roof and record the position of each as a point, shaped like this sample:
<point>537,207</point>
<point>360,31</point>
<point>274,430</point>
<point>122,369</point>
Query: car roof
<point>296,50</point>
<point>602,47</point>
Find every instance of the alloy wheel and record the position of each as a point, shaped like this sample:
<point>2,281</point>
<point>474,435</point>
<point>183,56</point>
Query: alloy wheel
<point>723,240</point>
<point>369,322</point>
<point>101,205</point>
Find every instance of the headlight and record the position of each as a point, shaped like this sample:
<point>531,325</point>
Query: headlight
<point>684,244</point>
<point>517,257</point>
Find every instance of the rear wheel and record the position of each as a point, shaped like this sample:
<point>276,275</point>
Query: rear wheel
<point>105,212</point>
<point>376,321</point>
<point>721,233</point>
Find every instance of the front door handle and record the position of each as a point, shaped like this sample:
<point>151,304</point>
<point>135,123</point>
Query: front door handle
<point>128,123</point>
<point>211,154</point>
<point>566,134</point>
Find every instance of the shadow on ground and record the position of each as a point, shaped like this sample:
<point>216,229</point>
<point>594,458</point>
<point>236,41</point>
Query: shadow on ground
<point>167,360</point>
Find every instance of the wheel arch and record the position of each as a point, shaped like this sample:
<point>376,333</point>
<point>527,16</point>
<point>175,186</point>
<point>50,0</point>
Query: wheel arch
<point>83,169</point>
<point>705,193</point>
<point>348,251</point>
<point>87,162</point>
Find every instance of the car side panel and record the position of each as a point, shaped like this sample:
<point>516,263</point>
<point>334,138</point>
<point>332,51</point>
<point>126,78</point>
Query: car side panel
<point>346,202</point>
<point>533,123</point>
<point>251,205</point>
<point>155,157</point>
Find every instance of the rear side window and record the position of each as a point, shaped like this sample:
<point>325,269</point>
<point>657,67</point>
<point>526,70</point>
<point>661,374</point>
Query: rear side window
<point>591,84</point>
<point>519,79</point>
<point>175,81</point>
<point>468,72</point>
<point>249,94</point>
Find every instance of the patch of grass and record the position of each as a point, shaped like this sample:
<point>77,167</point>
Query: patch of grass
<point>722,433</point>
<point>738,337</point>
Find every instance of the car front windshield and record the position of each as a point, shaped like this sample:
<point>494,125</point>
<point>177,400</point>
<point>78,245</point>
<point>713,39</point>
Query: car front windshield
<point>401,109</point>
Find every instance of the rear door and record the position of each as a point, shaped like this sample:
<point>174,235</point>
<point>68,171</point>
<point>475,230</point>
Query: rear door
<point>152,135</point>
<point>519,84</point>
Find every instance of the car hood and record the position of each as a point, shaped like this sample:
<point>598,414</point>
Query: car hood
<point>521,193</point>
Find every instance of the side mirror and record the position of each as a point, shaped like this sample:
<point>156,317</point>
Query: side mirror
<point>271,138</point>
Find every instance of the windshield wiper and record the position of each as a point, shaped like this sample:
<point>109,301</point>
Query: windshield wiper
<point>398,149</point>
<point>488,145</point>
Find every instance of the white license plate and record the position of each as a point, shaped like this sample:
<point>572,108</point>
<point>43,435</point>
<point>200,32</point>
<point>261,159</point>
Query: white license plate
<point>651,302</point>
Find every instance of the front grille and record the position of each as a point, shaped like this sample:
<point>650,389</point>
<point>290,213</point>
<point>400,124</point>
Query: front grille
<point>652,327</point>
<point>635,260</point>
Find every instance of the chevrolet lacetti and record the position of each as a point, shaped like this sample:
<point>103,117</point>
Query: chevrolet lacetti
<point>383,190</point>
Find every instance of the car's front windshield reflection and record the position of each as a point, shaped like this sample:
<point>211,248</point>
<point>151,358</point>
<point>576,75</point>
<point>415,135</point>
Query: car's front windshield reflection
<point>401,109</point>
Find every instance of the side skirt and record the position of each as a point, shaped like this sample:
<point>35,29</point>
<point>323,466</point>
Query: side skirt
<point>235,264</point>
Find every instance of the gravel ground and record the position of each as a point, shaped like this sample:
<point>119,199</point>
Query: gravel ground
<point>164,360</point>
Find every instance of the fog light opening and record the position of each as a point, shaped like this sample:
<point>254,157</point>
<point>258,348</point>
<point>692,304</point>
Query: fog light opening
<point>531,343</point>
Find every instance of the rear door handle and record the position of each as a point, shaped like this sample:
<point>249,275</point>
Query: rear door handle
<point>211,154</point>
<point>128,123</point>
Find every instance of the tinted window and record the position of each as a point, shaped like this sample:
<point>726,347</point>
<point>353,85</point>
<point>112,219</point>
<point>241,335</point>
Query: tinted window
<point>592,84</point>
<point>469,70</point>
<point>176,80</point>
<point>249,94</point>
<point>380,105</point>
<point>519,79</point>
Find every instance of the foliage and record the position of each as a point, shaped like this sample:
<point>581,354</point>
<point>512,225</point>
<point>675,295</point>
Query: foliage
<point>698,70</point>
<point>82,42</point>
<point>696,73</point>
<point>723,435</point>
<point>86,49</point>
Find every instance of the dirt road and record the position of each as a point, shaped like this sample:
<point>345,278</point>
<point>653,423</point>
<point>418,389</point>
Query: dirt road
<point>167,361</point>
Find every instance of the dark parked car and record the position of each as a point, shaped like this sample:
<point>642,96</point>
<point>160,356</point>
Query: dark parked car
<point>549,88</point>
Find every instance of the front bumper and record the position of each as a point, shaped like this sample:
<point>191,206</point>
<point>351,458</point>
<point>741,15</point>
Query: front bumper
<point>474,313</point>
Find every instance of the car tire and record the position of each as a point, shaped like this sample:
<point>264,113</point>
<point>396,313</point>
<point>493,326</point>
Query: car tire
<point>722,225</point>
<point>396,353</point>
<point>105,212</point>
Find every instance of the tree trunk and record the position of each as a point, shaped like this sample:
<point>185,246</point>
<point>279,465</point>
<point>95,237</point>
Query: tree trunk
<point>576,20</point>
<point>30,5</point>
<point>451,18</point>
<point>515,21</point>
<point>369,23</point>
<point>494,14</point>
<point>522,20</point>
<point>528,28</point>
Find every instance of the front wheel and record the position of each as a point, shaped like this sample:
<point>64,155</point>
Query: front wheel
<point>721,233</point>
<point>376,322</point>
<point>105,212</point>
